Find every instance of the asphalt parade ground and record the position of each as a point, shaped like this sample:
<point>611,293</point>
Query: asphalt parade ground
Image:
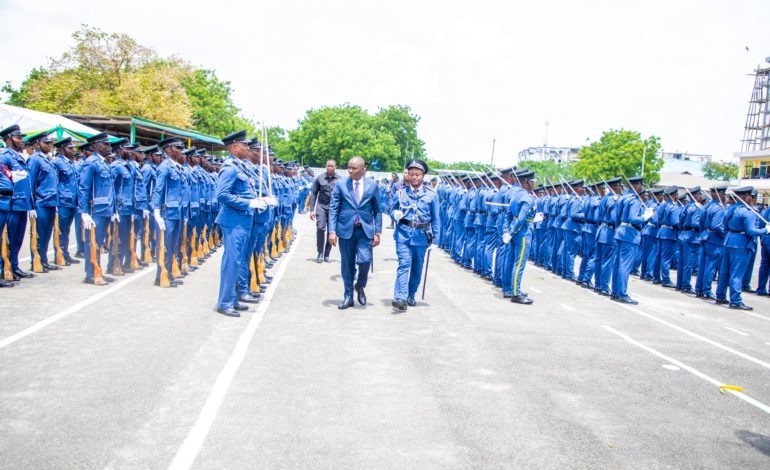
<point>132,376</point>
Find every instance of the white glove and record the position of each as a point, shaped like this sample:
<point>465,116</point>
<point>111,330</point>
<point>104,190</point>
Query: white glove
<point>159,220</point>
<point>615,197</point>
<point>398,215</point>
<point>145,214</point>
<point>32,214</point>
<point>648,213</point>
<point>767,230</point>
<point>507,237</point>
<point>271,201</point>
<point>19,175</point>
<point>114,217</point>
<point>430,247</point>
<point>538,217</point>
<point>88,221</point>
<point>185,220</point>
<point>258,203</point>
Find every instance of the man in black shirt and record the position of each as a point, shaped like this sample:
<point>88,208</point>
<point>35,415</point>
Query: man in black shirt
<point>320,196</point>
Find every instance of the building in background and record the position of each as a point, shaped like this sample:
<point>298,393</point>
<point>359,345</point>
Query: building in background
<point>754,157</point>
<point>553,154</point>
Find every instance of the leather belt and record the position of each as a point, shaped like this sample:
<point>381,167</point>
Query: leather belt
<point>409,223</point>
<point>735,231</point>
<point>608,225</point>
<point>667,226</point>
<point>628,224</point>
<point>6,192</point>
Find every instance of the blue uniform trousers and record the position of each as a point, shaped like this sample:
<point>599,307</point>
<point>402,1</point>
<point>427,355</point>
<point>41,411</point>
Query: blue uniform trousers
<point>478,257</point>
<point>46,216</point>
<point>80,241</point>
<point>764,270</point>
<point>605,257</point>
<point>710,260</point>
<point>731,272</point>
<point>490,243</point>
<point>355,252</point>
<point>545,252</point>
<point>170,244</point>
<point>625,257</point>
<point>589,256</point>
<point>667,252</point>
<point>649,255</point>
<point>409,272</point>
<point>244,277</point>
<point>101,224</point>
<point>750,268</point>
<point>66,216</point>
<point>17,225</point>
<point>469,250</point>
<point>457,250</point>
<point>569,251</point>
<point>500,259</point>
<point>235,240</point>
<point>688,257</point>
<point>557,257</point>
<point>4,216</point>
<point>124,231</point>
<point>520,253</point>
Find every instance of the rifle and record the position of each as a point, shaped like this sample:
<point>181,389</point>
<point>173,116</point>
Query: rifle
<point>147,252</point>
<point>115,249</point>
<point>693,198</point>
<point>736,198</point>
<point>94,255</point>
<point>37,264</point>
<point>56,242</point>
<point>134,260</point>
<point>634,189</point>
<point>194,247</point>
<point>183,249</point>
<point>608,186</point>
<point>7,274</point>
<point>164,281</point>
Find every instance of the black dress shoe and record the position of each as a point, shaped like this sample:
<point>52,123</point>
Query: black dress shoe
<point>89,280</point>
<point>176,282</point>
<point>108,280</point>
<point>4,283</point>
<point>67,263</point>
<point>242,308</point>
<point>668,286</point>
<point>603,293</point>
<point>748,290</point>
<point>507,295</point>
<point>741,306</point>
<point>626,300</point>
<point>347,303</point>
<point>171,284</point>
<point>51,267</point>
<point>399,305</point>
<point>520,299</point>
<point>230,312</point>
<point>79,254</point>
<point>248,298</point>
<point>268,279</point>
<point>688,291</point>
<point>411,302</point>
<point>319,258</point>
<point>721,301</point>
<point>708,297</point>
<point>127,270</point>
<point>326,259</point>
<point>255,294</point>
<point>656,283</point>
<point>698,295</point>
<point>361,295</point>
<point>72,261</point>
<point>762,294</point>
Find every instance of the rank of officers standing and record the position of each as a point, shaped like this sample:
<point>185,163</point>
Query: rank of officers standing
<point>493,223</point>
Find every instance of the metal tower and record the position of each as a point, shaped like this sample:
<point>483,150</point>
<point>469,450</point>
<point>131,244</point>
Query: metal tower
<point>756,135</point>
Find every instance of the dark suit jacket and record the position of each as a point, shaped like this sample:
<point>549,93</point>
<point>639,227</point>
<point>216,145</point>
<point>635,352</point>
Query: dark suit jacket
<point>343,208</point>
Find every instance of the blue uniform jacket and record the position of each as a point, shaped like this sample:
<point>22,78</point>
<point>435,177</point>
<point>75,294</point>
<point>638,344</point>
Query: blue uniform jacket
<point>420,207</point>
<point>43,180</point>
<point>96,190</point>
<point>22,190</point>
<point>68,181</point>
<point>168,193</point>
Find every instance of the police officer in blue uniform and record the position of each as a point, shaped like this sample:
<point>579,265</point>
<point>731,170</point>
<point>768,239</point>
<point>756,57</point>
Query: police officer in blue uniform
<point>168,205</point>
<point>764,265</point>
<point>67,176</point>
<point>649,248</point>
<point>96,202</point>
<point>416,211</point>
<point>45,194</point>
<point>518,233</point>
<point>572,228</point>
<point>740,245</point>
<point>668,221</point>
<point>689,239</point>
<point>21,205</point>
<point>237,196</point>
<point>6,193</point>
<point>605,238</point>
<point>588,259</point>
<point>712,238</point>
<point>630,215</point>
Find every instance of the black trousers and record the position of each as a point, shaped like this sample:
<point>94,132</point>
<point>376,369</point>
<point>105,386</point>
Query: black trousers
<point>321,222</point>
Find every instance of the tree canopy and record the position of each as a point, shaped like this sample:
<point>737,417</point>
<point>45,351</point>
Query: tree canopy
<point>386,139</point>
<point>722,171</point>
<point>111,74</point>
<point>547,171</point>
<point>618,153</point>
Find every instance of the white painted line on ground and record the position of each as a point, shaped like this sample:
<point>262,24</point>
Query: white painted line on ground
<point>567,307</point>
<point>192,444</point>
<point>689,369</point>
<point>50,253</point>
<point>670,367</point>
<point>78,306</point>
<point>697,336</point>
<point>535,290</point>
<point>737,331</point>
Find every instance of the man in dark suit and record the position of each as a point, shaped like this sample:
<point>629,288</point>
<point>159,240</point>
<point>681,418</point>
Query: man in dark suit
<point>356,221</point>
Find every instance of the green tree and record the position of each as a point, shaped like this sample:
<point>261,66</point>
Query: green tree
<point>111,74</point>
<point>344,131</point>
<point>722,171</point>
<point>620,152</point>
<point>546,171</point>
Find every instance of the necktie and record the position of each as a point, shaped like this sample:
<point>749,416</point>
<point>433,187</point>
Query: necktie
<point>356,193</point>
